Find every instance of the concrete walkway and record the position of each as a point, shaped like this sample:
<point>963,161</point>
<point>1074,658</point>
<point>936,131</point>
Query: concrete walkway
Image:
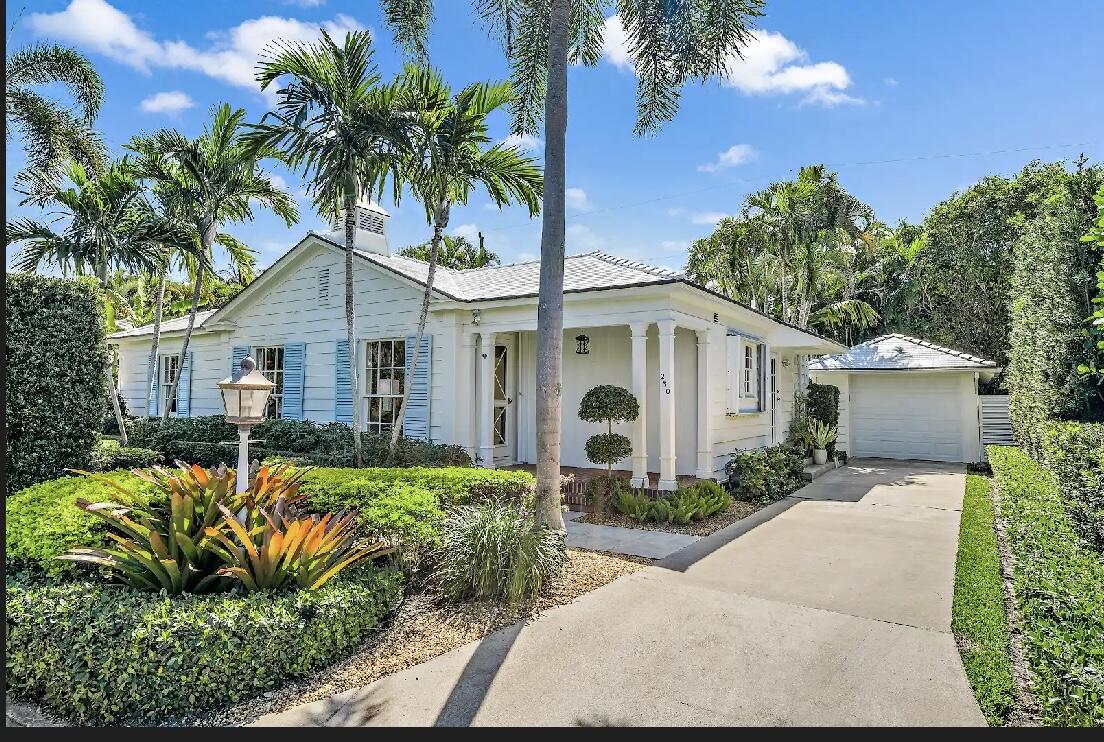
<point>830,607</point>
<point>635,541</point>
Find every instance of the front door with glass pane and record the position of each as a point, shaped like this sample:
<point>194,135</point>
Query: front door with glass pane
<point>504,422</point>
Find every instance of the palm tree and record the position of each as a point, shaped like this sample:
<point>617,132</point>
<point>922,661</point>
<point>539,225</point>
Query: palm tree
<point>670,44</point>
<point>209,181</point>
<point>336,124</point>
<point>52,133</point>
<point>108,223</point>
<point>455,252</point>
<point>451,158</point>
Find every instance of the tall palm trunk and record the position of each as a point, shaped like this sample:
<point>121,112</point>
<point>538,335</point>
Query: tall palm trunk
<point>440,222</point>
<point>207,237</point>
<point>550,297</point>
<point>110,378</point>
<point>151,368</point>
<point>350,314</point>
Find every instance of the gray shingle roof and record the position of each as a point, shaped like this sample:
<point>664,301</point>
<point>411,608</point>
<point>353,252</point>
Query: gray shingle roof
<point>593,270</point>
<point>169,325</point>
<point>898,353</point>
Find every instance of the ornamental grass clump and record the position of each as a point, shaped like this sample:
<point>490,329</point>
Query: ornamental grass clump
<point>493,549</point>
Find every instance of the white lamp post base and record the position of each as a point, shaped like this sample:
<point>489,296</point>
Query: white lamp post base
<point>242,483</point>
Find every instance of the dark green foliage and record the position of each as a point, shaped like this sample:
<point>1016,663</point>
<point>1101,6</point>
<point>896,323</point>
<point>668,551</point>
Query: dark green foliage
<point>54,386</point>
<point>765,474</point>
<point>1074,454</point>
<point>1092,361</point>
<point>693,503</point>
<point>106,654</point>
<point>1059,587</point>
<point>43,522</point>
<point>607,448</point>
<point>110,424</point>
<point>978,617</point>
<point>603,490</point>
<point>493,549</point>
<point>455,252</point>
<point>198,440</point>
<point>607,402</point>
<point>109,456</point>
<point>1050,299</point>
<point>822,403</point>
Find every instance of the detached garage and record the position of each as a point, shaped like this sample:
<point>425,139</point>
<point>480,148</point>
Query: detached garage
<point>904,398</point>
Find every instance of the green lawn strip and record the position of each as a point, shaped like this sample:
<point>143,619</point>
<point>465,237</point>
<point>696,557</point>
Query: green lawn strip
<point>979,620</point>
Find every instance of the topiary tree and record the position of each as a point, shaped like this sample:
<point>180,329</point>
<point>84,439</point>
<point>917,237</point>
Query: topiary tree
<point>609,404</point>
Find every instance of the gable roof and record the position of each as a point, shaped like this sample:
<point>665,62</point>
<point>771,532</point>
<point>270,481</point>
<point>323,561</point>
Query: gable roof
<point>169,325</point>
<point>897,352</point>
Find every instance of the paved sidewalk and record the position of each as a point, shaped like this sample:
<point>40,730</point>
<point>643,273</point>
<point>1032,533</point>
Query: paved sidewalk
<point>831,607</point>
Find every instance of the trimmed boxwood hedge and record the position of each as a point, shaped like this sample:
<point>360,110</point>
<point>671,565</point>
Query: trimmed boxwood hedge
<point>1059,591</point>
<point>106,654</point>
<point>1074,454</point>
<point>453,485</point>
<point>54,386</point>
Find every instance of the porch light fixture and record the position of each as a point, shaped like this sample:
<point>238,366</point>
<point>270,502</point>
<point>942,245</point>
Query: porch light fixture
<point>475,317</point>
<point>245,402</point>
<point>582,345</point>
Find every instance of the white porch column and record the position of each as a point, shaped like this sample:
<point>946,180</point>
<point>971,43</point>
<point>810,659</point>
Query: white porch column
<point>705,429</point>
<point>467,422</point>
<point>486,398</point>
<point>640,391</point>
<point>667,480</point>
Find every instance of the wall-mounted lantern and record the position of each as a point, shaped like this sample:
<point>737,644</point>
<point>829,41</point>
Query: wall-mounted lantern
<point>582,345</point>
<point>475,317</point>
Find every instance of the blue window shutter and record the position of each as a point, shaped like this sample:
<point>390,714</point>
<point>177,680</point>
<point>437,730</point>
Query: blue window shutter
<point>156,381</point>
<point>236,355</point>
<point>343,385</point>
<point>294,371</point>
<point>184,389</point>
<point>416,415</point>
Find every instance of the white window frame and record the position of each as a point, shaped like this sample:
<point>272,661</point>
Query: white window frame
<point>372,384</point>
<point>749,374</point>
<point>270,362</point>
<point>168,366</point>
<point>744,375</point>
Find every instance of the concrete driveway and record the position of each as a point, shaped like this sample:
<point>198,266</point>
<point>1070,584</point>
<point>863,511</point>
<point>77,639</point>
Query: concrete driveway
<point>830,607</point>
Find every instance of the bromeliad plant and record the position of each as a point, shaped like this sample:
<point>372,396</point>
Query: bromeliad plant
<point>165,542</point>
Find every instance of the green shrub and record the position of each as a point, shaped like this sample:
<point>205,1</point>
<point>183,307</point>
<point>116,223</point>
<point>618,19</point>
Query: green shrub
<point>765,474</point>
<point>609,404</point>
<point>109,456</point>
<point>43,522</point>
<point>199,440</point>
<point>106,654</point>
<point>493,549</point>
<point>1074,454</point>
<point>453,485</point>
<point>54,385</point>
<point>392,509</point>
<point>1059,592</point>
<point>822,403</point>
<point>978,617</point>
<point>603,490</point>
<point>693,503</point>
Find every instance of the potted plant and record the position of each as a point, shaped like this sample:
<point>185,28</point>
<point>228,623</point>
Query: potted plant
<point>821,434</point>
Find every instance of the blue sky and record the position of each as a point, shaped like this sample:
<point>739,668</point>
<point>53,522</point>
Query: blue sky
<point>899,98</point>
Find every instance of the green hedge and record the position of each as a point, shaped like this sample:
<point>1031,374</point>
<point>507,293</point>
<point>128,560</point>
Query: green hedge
<point>199,440</point>
<point>54,387</point>
<point>109,456</point>
<point>43,521</point>
<point>765,474</point>
<point>453,485</point>
<point>823,404</point>
<point>1074,454</point>
<point>1059,591</point>
<point>978,617</point>
<point>106,654</point>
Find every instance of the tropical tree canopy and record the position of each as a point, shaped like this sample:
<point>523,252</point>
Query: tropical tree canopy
<point>52,133</point>
<point>455,252</point>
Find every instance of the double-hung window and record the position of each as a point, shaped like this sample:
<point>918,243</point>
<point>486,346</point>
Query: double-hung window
<point>749,383</point>
<point>167,373</point>
<point>270,362</point>
<point>743,357</point>
<point>384,376</point>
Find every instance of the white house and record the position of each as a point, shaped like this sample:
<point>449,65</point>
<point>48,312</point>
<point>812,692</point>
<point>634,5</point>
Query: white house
<point>712,375</point>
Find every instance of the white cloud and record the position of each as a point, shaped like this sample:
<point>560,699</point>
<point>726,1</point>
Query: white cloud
<point>169,101</point>
<point>527,257</point>
<point>580,237</point>
<point>670,246</point>
<point>305,3</point>
<point>735,155</point>
<point>231,55</point>
<point>524,142</point>
<point>676,211</point>
<point>771,64</point>
<point>577,199</point>
<point>470,232</point>
<point>891,82</point>
<point>707,217</point>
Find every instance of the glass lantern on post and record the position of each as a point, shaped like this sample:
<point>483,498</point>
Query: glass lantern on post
<point>245,402</point>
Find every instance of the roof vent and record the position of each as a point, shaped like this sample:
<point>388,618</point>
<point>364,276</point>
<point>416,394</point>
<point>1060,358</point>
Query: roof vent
<point>324,286</point>
<point>899,349</point>
<point>371,228</point>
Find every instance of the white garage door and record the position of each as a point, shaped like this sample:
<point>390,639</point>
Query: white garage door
<point>907,416</point>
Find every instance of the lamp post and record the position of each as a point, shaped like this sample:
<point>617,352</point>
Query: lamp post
<point>245,402</point>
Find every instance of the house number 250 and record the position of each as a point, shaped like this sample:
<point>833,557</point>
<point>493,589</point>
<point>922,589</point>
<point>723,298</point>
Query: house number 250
<point>663,381</point>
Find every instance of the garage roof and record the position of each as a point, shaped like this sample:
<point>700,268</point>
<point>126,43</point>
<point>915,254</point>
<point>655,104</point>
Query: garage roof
<point>900,353</point>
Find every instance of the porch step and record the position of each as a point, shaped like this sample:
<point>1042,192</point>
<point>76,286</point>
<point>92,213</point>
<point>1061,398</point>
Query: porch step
<point>812,471</point>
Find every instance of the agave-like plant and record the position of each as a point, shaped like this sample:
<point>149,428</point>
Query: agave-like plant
<point>159,541</point>
<point>283,549</point>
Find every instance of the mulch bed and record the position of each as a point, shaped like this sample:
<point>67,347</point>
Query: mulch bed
<point>713,523</point>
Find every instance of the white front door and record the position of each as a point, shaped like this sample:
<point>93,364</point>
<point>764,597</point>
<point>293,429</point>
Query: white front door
<point>504,412</point>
